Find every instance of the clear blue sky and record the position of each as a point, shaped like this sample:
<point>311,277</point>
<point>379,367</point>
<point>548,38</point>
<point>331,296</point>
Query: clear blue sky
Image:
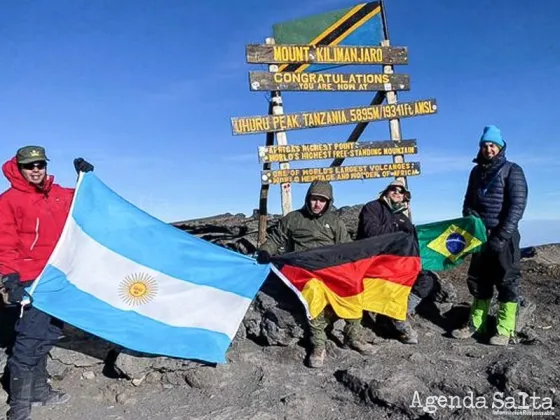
<point>145,91</point>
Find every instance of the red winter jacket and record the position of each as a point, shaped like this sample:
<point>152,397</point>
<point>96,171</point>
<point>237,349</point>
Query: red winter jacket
<point>31,221</point>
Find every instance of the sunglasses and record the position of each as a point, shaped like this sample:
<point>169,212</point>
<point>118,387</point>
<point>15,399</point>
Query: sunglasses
<point>397,190</point>
<point>33,165</point>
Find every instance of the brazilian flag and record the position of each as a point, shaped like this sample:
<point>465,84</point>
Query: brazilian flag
<point>444,244</point>
<point>357,25</point>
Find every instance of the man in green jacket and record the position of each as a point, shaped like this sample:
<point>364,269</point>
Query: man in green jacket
<point>312,226</point>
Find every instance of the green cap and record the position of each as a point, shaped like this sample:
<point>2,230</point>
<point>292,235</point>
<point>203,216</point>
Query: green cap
<point>30,154</point>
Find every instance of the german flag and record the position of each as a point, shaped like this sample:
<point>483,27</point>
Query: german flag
<point>374,274</point>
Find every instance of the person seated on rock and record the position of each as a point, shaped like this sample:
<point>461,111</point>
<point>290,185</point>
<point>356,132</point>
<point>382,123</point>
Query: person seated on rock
<point>387,214</point>
<point>33,212</point>
<point>497,193</point>
<point>312,226</point>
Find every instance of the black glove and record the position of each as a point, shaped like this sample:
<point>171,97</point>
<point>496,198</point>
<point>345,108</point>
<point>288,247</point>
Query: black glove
<point>82,165</point>
<point>496,244</point>
<point>13,289</point>
<point>263,257</point>
<point>402,224</point>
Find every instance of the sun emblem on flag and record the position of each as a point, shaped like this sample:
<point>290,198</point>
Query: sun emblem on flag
<point>138,289</point>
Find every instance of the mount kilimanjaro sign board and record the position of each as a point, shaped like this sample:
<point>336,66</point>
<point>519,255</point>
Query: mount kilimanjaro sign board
<point>325,54</point>
<point>314,119</point>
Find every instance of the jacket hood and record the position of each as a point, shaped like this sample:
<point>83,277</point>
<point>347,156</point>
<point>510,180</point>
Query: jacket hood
<point>18,182</point>
<point>323,189</point>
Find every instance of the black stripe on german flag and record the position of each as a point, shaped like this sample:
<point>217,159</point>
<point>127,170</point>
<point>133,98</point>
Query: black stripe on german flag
<point>398,244</point>
<point>328,38</point>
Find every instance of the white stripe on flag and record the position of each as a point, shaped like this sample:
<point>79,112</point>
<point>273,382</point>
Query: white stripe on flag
<point>102,273</point>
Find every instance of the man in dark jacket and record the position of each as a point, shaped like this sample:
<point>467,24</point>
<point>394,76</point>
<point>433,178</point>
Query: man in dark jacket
<point>497,192</point>
<point>32,215</point>
<point>387,214</point>
<point>312,226</point>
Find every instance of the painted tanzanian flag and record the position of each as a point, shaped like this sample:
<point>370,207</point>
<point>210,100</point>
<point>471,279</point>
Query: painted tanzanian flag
<point>358,25</point>
<point>374,274</point>
<point>445,244</point>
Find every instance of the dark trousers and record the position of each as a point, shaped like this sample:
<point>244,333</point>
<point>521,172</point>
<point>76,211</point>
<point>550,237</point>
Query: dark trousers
<point>423,285</point>
<point>502,270</point>
<point>36,333</point>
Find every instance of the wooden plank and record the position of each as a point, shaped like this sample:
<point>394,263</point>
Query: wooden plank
<point>314,119</point>
<point>325,54</point>
<point>335,150</point>
<point>360,127</point>
<point>327,82</point>
<point>341,173</point>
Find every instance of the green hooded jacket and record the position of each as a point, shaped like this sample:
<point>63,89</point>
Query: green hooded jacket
<point>301,230</point>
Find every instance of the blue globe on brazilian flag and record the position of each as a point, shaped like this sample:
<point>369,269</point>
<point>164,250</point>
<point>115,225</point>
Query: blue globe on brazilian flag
<point>445,244</point>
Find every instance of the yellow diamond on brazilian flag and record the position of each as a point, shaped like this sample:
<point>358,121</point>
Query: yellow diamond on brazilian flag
<point>445,244</point>
<point>454,243</point>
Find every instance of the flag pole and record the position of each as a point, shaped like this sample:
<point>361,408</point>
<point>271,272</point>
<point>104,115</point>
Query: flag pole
<point>394,124</point>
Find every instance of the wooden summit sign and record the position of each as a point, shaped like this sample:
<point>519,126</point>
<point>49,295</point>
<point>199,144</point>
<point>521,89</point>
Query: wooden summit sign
<point>313,119</point>
<point>341,173</point>
<point>325,54</point>
<point>291,81</point>
<point>336,150</point>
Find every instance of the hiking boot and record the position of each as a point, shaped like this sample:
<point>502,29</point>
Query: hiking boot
<point>42,393</point>
<point>463,333</point>
<point>499,340</point>
<point>477,320</point>
<point>52,398</point>
<point>317,357</point>
<point>362,347</point>
<point>406,334</point>
<point>505,327</point>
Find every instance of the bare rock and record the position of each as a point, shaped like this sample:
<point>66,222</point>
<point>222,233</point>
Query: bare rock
<point>201,378</point>
<point>136,366</point>
<point>89,375</point>
<point>525,373</point>
<point>238,413</point>
<point>75,358</point>
<point>57,369</point>
<point>269,323</point>
<point>379,385</point>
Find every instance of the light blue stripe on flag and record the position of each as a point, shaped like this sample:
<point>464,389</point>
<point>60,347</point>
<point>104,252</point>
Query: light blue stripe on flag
<point>123,275</point>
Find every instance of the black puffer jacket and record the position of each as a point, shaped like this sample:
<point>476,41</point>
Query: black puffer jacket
<point>376,218</point>
<point>497,191</point>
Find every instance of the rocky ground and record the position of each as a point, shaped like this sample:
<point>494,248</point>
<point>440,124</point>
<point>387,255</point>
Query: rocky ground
<point>266,377</point>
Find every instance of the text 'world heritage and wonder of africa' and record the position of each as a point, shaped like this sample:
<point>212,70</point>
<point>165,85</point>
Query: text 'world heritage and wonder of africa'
<point>341,173</point>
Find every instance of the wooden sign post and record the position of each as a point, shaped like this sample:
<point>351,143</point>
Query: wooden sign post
<point>293,59</point>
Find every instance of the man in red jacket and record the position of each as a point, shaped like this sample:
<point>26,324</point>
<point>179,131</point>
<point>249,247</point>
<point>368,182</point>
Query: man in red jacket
<point>33,212</point>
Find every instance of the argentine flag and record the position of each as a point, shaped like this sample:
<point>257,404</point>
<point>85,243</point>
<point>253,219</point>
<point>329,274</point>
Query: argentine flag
<point>133,280</point>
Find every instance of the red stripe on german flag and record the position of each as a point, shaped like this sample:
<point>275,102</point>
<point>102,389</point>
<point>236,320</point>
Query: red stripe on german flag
<point>374,274</point>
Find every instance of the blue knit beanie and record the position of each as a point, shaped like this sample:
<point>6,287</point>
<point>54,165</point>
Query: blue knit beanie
<point>492,134</point>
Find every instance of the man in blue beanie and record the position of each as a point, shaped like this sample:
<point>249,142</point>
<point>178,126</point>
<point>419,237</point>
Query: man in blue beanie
<point>497,193</point>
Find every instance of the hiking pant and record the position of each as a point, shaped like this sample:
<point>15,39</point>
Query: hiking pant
<point>36,333</point>
<point>318,326</point>
<point>501,270</point>
<point>423,285</point>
